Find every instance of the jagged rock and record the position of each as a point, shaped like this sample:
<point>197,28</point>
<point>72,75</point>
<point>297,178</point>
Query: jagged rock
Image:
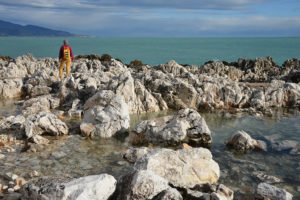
<point>171,67</point>
<point>241,141</point>
<point>182,168</point>
<point>11,88</point>
<point>108,113</point>
<point>133,154</point>
<point>185,126</point>
<point>38,104</point>
<point>44,123</point>
<point>169,194</point>
<point>98,187</point>
<point>141,185</point>
<point>12,123</point>
<point>272,192</point>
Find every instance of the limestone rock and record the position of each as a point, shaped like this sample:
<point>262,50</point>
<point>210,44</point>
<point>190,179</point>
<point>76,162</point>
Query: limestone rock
<point>11,88</point>
<point>38,104</point>
<point>272,192</point>
<point>182,168</point>
<point>141,185</point>
<point>133,154</point>
<point>241,141</point>
<point>44,123</point>
<point>169,194</point>
<point>108,113</point>
<point>98,187</point>
<point>12,123</point>
<point>185,126</point>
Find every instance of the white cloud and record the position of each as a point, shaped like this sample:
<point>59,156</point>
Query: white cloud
<point>111,18</point>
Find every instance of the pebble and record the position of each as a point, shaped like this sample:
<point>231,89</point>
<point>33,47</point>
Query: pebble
<point>5,187</point>
<point>2,156</point>
<point>58,155</point>
<point>10,190</point>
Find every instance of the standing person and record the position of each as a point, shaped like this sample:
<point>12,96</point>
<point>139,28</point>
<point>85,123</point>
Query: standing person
<point>65,58</point>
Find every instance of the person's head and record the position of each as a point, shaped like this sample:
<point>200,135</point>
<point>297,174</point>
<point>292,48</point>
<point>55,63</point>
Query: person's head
<point>65,42</point>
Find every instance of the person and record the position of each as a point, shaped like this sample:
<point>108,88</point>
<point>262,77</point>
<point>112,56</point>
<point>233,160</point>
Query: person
<point>65,58</point>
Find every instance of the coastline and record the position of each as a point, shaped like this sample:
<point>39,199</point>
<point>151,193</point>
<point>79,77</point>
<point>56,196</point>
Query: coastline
<point>102,93</point>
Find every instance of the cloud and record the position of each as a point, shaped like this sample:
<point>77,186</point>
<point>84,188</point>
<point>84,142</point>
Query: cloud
<point>144,18</point>
<point>171,4</point>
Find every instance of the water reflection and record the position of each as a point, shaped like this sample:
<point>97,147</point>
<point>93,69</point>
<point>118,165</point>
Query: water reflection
<point>75,156</point>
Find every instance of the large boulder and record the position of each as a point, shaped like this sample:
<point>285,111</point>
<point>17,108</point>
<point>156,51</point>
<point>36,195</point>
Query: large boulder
<point>106,114</point>
<point>140,185</point>
<point>266,190</point>
<point>96,187</point>
<point>182,168</point>
<point>242,142</point>
<point>185,126</point>
<point>44,123</point>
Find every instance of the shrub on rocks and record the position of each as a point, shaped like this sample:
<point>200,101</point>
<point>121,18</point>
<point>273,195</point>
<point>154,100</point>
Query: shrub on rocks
<point>5,58</point>
<point>105,57</point>
<point>136,63</point>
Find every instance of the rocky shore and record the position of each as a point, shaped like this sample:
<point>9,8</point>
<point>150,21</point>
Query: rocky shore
<point>101,94</point>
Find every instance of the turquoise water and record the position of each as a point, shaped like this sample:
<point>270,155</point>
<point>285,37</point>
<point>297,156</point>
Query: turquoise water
<point>194,51</point>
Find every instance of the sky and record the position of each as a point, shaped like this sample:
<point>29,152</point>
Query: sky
<point>159,18</point>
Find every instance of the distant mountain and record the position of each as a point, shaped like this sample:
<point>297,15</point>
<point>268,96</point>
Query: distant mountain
<point>10,29</point>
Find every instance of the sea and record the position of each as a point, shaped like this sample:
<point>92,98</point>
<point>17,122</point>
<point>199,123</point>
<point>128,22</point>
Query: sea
<point>154,51</point>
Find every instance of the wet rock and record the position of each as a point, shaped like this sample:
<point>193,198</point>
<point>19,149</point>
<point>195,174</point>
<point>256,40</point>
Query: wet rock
<point>87,129</point>
<point>272,192</point>
<point>39,139</point>
<point>284,145</point>
<point>108,113</point>
<point>242,142</point>
<point>141,185</point>
<point>182,168</point>
<point>7,139</point>
<point>133,154</point>
<point>13,196</point>
<point>169,194</point>
<point>296,150</point>
<point>267,178</point>
<point>44,123</point>
<point>185,126</point>
<point>94,187</point>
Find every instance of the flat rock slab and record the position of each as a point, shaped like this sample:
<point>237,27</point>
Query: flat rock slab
<point>182,168</point>
<point>97,187</point>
